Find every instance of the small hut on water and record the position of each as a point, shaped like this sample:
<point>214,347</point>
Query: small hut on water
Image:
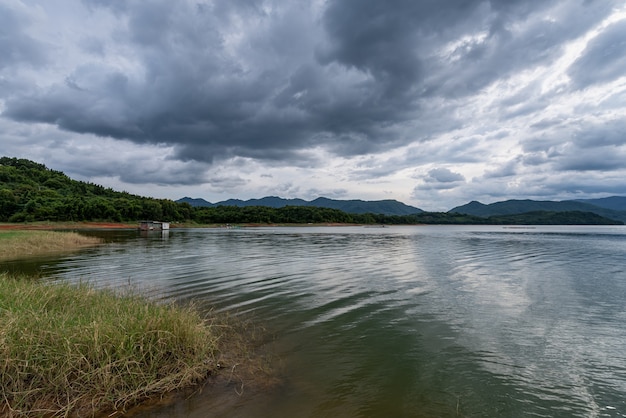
<point>153,226</point>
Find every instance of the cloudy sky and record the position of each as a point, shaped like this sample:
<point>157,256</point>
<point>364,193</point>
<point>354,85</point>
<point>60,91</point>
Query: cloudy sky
<point>430,102</point>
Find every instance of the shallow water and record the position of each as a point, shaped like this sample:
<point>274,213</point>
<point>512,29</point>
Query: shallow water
<point>424,321</point>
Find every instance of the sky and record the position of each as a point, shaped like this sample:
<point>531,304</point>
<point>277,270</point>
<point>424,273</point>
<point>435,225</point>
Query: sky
<point>432,103</point>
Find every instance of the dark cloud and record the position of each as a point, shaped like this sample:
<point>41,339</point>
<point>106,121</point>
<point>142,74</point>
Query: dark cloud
<point>576,135</point>
<point>505,38</point>
<point>287,84</point>
<point>603,60</point>
<point>16,46</point>
<point>507,169</point>
<point>133,169</point>
<point>572,186</point>
<point>534,159</point>
<point>443,175</point>
<point>116,6</point>
<point>578,145</point>
<point>225,183</point>
<point>547,123</point>
<point>588,135</point>
<point>597,159</point>
<point>441,179</point>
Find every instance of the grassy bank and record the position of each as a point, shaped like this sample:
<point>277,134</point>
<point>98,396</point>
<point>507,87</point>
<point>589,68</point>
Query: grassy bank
<point>74,351</point>
<point>77,351</point>
<point>46,225</point>
<point>20,244</point>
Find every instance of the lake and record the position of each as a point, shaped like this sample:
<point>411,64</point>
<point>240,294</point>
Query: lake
<point>403,321</point>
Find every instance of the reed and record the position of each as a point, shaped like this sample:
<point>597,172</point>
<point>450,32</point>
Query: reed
<point>71,350</point>
<point>21,244</point>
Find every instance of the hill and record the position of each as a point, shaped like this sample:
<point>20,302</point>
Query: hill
<point>613,202</point>
<point>269,201</point>
<point>29,192</point>
<point>516,207</point>
<point>553,218</point>
<point>384,207</point>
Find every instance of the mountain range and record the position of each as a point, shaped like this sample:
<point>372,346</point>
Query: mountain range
<point>385,207</point>
<point>613,207</point>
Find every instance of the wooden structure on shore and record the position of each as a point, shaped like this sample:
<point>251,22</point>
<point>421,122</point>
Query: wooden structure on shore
<point>153,226</point>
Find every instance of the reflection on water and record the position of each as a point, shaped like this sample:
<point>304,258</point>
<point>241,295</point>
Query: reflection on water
<point>403,321</point>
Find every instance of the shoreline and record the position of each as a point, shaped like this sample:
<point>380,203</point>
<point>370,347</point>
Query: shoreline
<point>41,311</point>
<point>49,226</point>
<point>16,244</point>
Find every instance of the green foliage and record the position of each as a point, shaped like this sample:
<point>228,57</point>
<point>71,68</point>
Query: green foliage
<point>267,215</point>
<point>612,210</point>
<point>31,192</point>
<point>554,218</point>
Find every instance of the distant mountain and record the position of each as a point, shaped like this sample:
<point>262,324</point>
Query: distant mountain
<point>269,201</point>
<point>514,207</point>
<point>194,202</point>
<point>385,207</point>
<point>554,218</point>
<point>613,202</point>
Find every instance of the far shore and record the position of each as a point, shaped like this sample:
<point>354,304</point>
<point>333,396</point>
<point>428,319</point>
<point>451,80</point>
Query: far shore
<point>134,225</point>
<point>66,225</point>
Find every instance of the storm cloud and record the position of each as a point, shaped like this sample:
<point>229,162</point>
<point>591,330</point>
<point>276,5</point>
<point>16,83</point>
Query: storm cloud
<point>246,97</point>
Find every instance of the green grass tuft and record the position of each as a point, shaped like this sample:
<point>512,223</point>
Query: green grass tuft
<point>74,350</point>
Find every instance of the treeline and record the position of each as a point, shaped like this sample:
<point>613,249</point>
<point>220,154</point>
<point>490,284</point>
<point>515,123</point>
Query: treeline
<point>453,218</point>
<point>31,192</point>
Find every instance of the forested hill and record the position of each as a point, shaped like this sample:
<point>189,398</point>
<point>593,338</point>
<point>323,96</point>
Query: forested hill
<point>612,202</point>
<point>516,207</point>
<point>31,192</point>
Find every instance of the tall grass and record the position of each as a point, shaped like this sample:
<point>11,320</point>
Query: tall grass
<point>73,351</point>
<point>20,244</point>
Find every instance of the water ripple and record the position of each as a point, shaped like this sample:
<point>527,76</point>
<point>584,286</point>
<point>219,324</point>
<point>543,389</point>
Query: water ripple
<point>405,321</point>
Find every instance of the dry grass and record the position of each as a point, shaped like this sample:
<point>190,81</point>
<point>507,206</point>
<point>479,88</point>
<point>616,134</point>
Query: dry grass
<point>22,244</point>
<point>75,351</point>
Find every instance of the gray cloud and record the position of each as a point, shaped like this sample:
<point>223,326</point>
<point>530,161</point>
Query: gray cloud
<point>504,170</point>
<point>603,60</point>
<point>443,175</point>
<point>16,46</point>
<point>440,179</point>
<point>222,183</point>
<point>598,159</point>
<point>280,91</point>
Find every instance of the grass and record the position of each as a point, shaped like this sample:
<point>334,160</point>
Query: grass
<point>70,350</point>
<point>75,351</point>
<point>16,244</point>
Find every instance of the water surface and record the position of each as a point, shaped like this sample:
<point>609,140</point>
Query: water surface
<point>424,321</point>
